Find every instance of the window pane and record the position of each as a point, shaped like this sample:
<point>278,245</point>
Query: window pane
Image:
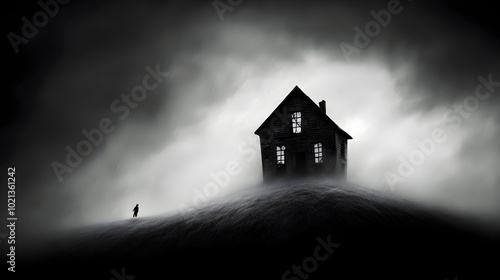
<point>280,155</point>
<point>318,153</point>
<point>297,122</point>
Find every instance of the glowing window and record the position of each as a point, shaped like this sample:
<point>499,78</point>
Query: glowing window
<point>297,122</point>
<point>280,155</point>
<point>318,153</point>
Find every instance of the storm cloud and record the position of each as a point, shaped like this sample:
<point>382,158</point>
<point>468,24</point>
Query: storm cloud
<point>224,78</point>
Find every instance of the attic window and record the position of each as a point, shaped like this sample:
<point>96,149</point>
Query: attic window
<point>318,153</point>
<point>280,155</point>
<point>297,122</point>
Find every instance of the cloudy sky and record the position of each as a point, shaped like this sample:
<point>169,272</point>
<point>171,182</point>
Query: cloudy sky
<point>416,84</point>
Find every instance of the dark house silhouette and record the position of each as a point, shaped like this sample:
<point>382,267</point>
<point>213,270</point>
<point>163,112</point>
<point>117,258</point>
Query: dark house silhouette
<point>298,140</point>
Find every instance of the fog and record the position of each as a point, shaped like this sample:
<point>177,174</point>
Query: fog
<point>192,137</point>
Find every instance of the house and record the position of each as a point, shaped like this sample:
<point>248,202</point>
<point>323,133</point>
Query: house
<point>299,139</point>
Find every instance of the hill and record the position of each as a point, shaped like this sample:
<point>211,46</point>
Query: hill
<point>292,230</point>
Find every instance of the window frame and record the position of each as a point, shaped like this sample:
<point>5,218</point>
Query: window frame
<point>318,153</point>
<point>280,155</point>
<point>297,122</point>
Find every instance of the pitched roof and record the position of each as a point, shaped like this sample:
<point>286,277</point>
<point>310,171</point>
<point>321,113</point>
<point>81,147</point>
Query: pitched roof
<point>296,91</point>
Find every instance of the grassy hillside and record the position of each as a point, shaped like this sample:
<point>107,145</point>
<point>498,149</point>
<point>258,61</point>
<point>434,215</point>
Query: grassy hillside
<point>294,230</point>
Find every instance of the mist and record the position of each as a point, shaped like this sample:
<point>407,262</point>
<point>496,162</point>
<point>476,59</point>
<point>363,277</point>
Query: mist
<point>192,138</point>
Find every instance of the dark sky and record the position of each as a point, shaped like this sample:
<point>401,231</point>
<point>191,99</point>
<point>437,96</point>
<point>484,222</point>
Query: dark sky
<point>225,76</point>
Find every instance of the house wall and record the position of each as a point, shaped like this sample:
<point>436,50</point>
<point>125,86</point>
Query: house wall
<point>315,129</point>
<point>342,158</point>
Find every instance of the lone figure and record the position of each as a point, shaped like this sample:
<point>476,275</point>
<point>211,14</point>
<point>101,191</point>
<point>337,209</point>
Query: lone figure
<point>136,209</point>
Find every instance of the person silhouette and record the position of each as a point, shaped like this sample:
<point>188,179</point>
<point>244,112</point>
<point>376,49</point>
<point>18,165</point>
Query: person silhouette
<point>136,209</point>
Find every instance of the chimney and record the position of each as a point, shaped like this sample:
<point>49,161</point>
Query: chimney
<point>322,106</point>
